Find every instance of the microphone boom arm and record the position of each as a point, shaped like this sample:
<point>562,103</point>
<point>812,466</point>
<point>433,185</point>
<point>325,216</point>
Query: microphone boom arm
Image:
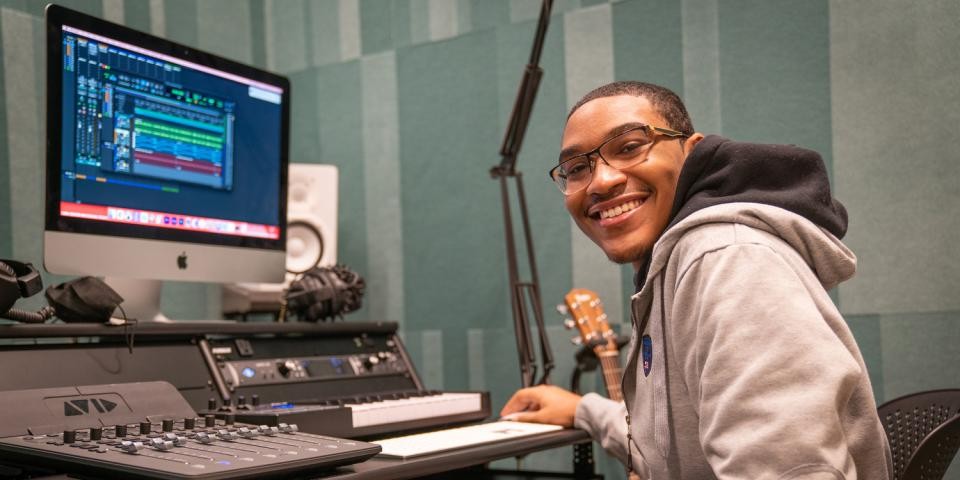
<point>521,291</point>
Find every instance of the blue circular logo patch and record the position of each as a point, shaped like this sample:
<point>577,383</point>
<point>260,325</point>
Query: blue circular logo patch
<point>647,349</point>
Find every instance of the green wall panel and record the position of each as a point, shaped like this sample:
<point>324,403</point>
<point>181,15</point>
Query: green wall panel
<point>701,64</point>
<point>181,22</point>
<point>28,6</point>
<point>136,14</point>
<point>305,112</point>
<point>224,27</point>
<point>920,352</point>
<point>258,34</point>
<point>648,54</point>
<point>6,220</point>
<point>775,72</point>
<point>867,331</point>
<point>340,140</point>
<point>420,18</point>
<point>485,14</point>
<point>90,7</point>
<point>24,90</point>
<point>382,185</point>
<point>895,99</point>
<point>286,35</point>
<point>455,269</point>
<point>384,24</point>
<point>23,145</point>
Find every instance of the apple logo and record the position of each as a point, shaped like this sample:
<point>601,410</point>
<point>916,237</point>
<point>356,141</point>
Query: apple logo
<point>182,261</point>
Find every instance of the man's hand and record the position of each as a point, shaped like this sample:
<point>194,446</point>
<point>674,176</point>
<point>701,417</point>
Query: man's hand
<point>542,404</point>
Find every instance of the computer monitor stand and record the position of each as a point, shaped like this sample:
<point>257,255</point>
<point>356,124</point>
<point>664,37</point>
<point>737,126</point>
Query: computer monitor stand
<point>141,298</point>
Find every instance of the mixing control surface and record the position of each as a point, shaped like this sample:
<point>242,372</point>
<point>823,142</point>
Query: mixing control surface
<point>172,448</point>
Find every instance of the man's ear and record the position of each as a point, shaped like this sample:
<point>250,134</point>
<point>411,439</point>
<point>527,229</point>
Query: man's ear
<point>691,142</point>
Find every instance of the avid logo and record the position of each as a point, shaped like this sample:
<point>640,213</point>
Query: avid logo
<point>83,406</point>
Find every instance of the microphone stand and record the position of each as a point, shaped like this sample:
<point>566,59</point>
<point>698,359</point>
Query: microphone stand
<point>521,291</point>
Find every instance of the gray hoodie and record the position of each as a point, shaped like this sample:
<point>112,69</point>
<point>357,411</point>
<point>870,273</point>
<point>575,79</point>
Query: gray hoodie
<point>741,366</point>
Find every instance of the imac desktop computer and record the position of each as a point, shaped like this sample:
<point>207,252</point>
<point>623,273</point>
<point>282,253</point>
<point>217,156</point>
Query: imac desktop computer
<point>164,162</point>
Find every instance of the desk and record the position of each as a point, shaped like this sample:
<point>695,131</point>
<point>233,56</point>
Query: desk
<point>60,361</point>
<point>394,469</point>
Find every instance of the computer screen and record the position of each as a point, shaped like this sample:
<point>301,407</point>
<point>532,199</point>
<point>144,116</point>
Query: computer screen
<point>163,162</point>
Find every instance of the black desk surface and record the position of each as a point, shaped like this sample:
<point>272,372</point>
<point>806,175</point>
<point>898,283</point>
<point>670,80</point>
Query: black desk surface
<point>395,469</point>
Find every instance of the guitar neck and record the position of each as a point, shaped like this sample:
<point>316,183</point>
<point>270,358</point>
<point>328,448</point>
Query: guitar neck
<point>610,365</point>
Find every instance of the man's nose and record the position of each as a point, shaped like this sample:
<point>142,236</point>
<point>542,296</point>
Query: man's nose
<point>604,178</point>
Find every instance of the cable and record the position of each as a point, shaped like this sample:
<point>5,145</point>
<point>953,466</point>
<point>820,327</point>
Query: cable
<point>24,316</point>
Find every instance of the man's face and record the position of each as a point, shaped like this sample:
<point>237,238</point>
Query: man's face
<point>643,193</point>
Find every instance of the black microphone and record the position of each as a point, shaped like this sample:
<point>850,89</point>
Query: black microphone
<point>323,293</point>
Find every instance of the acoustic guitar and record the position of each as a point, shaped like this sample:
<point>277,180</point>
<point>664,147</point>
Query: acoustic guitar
<point>591,322</point>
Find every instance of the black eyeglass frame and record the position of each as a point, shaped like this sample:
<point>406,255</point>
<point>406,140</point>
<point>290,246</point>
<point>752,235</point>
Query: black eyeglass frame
<point>559,180</point>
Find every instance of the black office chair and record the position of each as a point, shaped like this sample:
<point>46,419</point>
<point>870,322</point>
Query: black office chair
<point>924,433</point>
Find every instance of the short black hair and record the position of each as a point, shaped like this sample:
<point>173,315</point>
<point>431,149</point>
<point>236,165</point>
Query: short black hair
<point>666,103</point>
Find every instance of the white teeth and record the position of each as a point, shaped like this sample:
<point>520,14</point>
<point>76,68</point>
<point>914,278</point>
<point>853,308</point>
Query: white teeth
<point>620,209</point>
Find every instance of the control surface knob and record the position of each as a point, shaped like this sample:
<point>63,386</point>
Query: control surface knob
<point>130,446</point>
<point>160,443</point>
<point>145,428</point>
<point>286,368</point>
<point>176,439</point>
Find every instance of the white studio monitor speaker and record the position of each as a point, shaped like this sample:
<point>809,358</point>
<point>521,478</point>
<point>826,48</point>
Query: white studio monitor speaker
<point>311,238</point>
<point>311,217</point>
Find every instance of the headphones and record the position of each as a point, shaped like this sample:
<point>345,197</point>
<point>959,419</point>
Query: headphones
<point>84,299</point>
<point>17,280</point>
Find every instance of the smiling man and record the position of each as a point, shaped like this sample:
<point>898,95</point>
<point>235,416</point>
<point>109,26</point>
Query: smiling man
<point>740,365</point>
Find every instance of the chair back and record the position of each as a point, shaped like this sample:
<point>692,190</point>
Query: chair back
<point>910,422</point>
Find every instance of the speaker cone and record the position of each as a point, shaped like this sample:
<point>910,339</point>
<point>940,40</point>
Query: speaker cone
<point>304,247</point>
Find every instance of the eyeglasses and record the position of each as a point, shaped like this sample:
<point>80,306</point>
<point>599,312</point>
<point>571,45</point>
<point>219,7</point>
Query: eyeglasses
<point>620,151</point>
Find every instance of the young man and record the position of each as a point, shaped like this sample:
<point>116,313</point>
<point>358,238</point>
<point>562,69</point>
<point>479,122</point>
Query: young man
<point>740,364</point>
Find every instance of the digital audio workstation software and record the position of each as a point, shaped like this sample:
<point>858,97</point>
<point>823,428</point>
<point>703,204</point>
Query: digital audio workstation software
<point>158,141</point>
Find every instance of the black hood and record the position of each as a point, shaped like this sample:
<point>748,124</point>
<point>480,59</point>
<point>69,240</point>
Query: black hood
<point>720,171</point>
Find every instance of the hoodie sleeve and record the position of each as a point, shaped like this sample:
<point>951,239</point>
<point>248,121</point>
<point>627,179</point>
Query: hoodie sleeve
<point>605,421</point>
<point>768,377</point>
